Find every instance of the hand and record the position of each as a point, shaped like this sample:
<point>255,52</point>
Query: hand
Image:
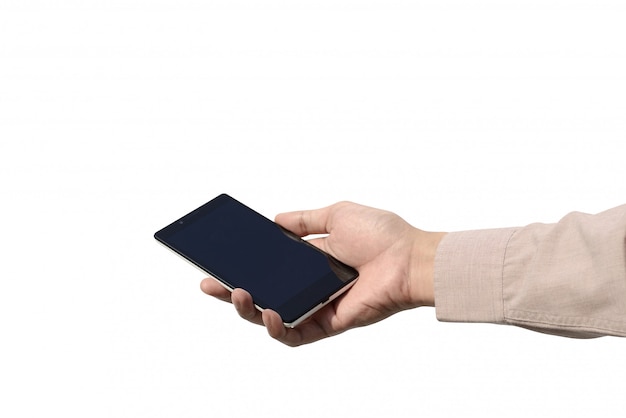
<point>394,260</point>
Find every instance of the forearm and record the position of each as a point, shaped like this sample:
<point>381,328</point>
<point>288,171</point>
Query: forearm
<point>567,278</point>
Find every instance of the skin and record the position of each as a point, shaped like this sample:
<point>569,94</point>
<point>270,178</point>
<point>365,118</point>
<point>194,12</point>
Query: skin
<point>395,262</point>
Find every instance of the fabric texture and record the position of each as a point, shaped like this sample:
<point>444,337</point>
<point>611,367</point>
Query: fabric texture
<point>567,278</point>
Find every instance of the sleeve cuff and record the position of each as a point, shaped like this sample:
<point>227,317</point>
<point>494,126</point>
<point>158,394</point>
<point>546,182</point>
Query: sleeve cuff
<point>468,276</point>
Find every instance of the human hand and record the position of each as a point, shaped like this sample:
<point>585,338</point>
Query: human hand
<point>394,260</point>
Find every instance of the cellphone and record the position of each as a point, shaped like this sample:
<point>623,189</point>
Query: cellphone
<point>241,248</point>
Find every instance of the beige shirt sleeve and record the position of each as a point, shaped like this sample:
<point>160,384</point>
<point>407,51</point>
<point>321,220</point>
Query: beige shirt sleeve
<point>567,278</point>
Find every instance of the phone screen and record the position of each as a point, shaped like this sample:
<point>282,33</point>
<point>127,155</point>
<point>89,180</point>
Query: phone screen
<point>243,249</point>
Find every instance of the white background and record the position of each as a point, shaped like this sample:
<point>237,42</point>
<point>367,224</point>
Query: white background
<point>116,117</point>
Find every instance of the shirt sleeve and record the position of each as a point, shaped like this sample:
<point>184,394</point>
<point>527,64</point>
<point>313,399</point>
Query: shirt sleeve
<point>567,278</point>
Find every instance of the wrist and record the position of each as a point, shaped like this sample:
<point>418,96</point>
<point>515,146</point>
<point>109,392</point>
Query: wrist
<point>422,271</point>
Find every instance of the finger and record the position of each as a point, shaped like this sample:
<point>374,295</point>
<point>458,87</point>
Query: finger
<point>314,329</point>
<point>212,287</point>
<point>274,324</point>
<point>305,222</point>
<point>242,301</point>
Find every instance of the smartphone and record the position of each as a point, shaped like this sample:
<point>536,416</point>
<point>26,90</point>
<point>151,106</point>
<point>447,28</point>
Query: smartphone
<point>241,248</point>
